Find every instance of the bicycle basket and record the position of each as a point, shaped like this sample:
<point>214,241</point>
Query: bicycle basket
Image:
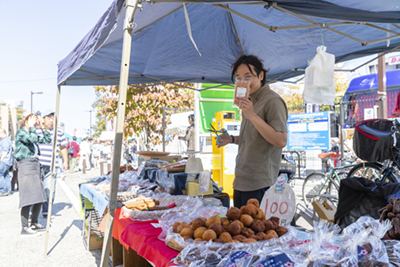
<point>372,140</point>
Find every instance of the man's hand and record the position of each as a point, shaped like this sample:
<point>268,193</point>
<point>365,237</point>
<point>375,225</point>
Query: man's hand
<point>65,166</point>
<point>225,139</point>
<point>247,107</point>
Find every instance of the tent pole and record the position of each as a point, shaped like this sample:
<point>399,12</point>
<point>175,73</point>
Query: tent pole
<point>163,129</point>
<point>52,169</point>
<point>131,6</point>
<point>197,117</point>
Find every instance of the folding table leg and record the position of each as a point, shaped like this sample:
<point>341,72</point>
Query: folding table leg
<point>132,259</point>
<point>116,250</point>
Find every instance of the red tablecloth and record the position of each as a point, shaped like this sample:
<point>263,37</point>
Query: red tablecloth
<point>143,238</point>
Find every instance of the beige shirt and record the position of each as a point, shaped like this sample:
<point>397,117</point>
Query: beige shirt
<point>258,161</point>
<point>190,138</point>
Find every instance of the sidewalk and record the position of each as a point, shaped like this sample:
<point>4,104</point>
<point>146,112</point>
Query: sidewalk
<point>65,246</point>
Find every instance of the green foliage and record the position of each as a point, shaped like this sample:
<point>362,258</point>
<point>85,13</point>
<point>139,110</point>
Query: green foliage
<point>143,114</point>
<point>100,125</point>
<point>294,99</point>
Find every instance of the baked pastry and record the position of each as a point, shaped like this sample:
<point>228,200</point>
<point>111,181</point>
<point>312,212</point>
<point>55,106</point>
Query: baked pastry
<point>233,214</point>
<point>254,201</point>
<point>209,235</point>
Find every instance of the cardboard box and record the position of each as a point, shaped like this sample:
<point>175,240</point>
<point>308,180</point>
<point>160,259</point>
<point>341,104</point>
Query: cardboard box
<point>192,188</point>
<point>93,241</point>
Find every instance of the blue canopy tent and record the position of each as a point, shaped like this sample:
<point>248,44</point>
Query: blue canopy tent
<point>168,41</point>
<point>284,33</point>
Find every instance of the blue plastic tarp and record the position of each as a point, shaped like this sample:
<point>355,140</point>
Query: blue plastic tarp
<point>162,50</point>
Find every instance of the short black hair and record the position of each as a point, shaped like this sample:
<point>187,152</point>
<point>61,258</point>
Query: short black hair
<point>250,60</point>
<point>191,117</point>
<point>74,138</point>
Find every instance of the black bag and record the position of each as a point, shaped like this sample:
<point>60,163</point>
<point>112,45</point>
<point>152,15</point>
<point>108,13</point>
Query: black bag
<point>373,140</point>
<point>362,197</point>
<point>70,150</point>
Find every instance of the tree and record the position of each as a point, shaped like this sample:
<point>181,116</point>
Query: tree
<point>100,125</point>
<point>291,94</point>
<point>294,99</point>
<point>143,114</point>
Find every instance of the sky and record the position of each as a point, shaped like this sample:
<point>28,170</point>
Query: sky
<point>36,35</point>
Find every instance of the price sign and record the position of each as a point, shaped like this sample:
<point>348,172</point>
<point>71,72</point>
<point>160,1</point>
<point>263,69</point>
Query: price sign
<point>231,262</point>
<point>279,201</point>
<point>281,260</point>
<point>362,252</point>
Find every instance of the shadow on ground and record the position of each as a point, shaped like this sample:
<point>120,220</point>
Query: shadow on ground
<point>77,223</point>
<point>57,207</point>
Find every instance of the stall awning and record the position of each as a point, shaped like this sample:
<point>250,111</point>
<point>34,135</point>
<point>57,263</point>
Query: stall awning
<point>284,33</point>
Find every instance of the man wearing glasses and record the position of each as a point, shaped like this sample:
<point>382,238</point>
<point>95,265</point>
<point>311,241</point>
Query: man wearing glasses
<point>263,133</point>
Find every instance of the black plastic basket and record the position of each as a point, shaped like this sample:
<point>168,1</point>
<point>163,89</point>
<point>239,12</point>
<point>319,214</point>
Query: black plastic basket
<point>373,140</point>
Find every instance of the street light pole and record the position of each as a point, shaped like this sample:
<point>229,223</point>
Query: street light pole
<point>32,93</point>
<point>90,128</point>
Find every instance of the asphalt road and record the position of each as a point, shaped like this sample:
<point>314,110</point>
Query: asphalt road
<point>65,246</point>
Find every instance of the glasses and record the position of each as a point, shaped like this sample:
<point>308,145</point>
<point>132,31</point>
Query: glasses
<point>242,79</point>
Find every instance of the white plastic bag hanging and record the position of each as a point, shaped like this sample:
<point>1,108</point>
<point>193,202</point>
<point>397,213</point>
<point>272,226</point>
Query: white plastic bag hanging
<point>319,83</point>
<point>279,201</point>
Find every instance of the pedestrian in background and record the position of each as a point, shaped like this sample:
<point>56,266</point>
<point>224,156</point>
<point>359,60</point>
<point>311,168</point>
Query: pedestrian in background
<point>133,149</point>
<point>31,190</point>
<point>90,140</point>
<point>74,155</point>
<point>46,153</point>
<point>96,153</point>
<point>85,154</point>
<point>6,161</point>
<point>190,135</point>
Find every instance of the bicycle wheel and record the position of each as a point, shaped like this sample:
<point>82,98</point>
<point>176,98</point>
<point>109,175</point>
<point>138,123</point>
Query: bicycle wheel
<point>368,170</point>
<point>316,184</point>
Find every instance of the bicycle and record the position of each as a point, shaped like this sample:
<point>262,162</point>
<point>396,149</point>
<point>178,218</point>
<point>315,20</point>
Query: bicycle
<point>324,183</point>
<point>389,170</point>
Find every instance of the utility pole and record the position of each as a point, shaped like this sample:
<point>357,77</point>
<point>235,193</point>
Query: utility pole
<point>33,93</point>
<point>90,126</point>
<point>382,87</point>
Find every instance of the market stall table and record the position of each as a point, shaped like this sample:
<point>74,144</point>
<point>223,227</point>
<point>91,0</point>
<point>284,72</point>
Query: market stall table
<point>142,237</point>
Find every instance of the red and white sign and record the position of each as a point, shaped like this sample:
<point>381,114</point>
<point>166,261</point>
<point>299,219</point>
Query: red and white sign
<point>281,204</point>
<point>394,60</point>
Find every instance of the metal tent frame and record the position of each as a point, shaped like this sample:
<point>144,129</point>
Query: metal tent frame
<point>130,8</point>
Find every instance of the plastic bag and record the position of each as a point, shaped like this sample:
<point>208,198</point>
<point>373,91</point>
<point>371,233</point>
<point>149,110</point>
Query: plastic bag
<point>182,203</point>
<point>204,182</point>
<point>165,181</point>
<point>280,201</point>
<point>321,250</point>
<point>362,243</point>
<point>393,251</point>
<point>319,84</point>
<point>242,89</point>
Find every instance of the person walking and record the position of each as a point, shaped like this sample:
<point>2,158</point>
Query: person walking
<point>6,161</point>
<point>74,155</point>
<point>31,190</point>
<point>46,156</point>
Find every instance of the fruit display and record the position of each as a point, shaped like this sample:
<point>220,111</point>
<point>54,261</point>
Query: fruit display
<point>244,225</point>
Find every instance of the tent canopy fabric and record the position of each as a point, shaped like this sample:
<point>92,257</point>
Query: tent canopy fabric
<point>283,33</point>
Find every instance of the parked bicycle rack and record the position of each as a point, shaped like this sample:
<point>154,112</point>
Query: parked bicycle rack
<point>294,161</point>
